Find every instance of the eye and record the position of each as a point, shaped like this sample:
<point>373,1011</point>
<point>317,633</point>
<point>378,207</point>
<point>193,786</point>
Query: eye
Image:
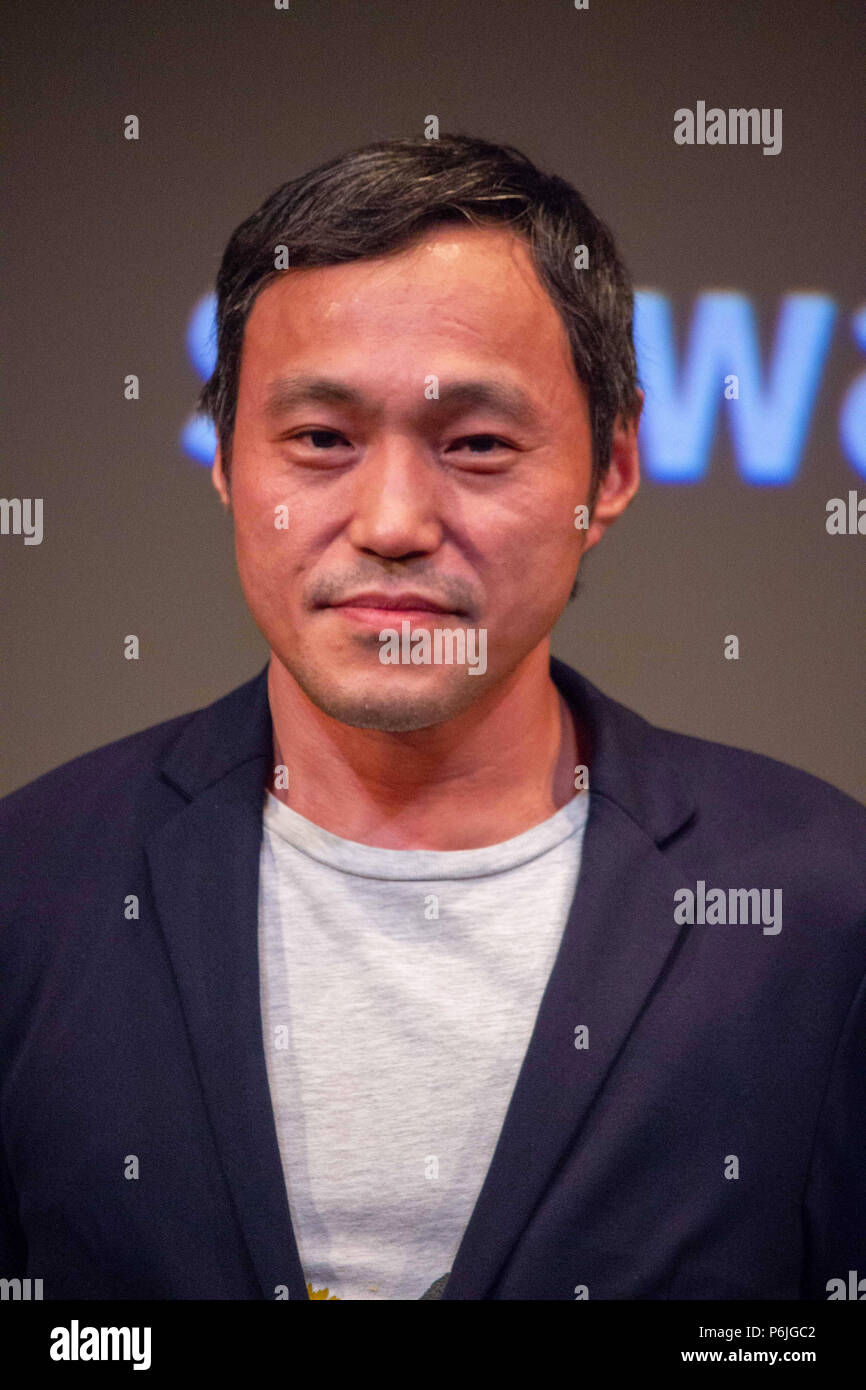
<point>322,439</point>
<point>482,443</point>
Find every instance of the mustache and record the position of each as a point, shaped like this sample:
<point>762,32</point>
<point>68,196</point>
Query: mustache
<point>450,592</point>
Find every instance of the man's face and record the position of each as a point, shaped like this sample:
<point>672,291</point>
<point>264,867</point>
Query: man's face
<point>433,438</point>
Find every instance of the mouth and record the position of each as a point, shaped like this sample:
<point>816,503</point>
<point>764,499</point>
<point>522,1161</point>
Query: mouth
<point>386,611</point>
<point>376,616</point>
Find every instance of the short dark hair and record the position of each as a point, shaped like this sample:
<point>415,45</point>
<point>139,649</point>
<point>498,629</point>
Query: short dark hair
<point>379,198</point>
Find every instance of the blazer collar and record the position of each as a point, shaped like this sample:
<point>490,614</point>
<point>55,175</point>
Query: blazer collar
<point>628,757</point>
<point>204,864</point>
<point>221,737</point>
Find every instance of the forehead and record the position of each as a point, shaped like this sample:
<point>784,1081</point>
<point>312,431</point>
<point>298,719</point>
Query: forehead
<point>455,290</point>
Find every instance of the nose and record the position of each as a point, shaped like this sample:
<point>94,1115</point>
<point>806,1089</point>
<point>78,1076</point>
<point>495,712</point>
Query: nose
<point>396,501</point>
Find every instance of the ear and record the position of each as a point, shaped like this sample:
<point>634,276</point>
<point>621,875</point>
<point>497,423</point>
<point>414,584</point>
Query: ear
<point>620,482</point>
<point>218,478</point>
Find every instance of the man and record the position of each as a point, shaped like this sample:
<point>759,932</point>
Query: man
<point>416,966</point>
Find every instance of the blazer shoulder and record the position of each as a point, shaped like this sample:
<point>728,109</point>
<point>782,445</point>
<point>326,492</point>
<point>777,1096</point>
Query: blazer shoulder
<point>730,788</point>
<point>80,787</point>
<point>71,823</point>
<point>755,785</point>
<point>119,791</point>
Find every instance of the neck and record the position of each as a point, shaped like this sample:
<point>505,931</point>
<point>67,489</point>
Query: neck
<point>489,774</point>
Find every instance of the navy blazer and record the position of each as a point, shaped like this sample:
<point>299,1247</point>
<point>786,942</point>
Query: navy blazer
<point>709,1141</point>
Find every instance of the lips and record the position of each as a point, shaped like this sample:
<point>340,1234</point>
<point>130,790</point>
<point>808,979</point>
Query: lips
<point>406,602</point>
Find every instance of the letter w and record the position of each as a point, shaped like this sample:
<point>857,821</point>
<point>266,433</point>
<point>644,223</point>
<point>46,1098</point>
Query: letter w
<point>768,424</point>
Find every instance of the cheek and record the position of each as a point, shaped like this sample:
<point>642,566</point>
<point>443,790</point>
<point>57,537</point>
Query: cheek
<point>264,546</point>
<point>536,562</point>
<point>257,540</point>
<point>262,510</point>
<point>537,535</point>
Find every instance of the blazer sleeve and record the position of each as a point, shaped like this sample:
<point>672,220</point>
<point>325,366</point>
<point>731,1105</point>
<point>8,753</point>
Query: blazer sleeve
<point>834,1209</point>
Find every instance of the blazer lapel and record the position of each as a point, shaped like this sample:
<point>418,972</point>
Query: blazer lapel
<point>204,864</point>
<point>619,935</point>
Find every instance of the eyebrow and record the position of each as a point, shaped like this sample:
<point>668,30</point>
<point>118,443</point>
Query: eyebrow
<point>286,392</point>
<point>505,398</point>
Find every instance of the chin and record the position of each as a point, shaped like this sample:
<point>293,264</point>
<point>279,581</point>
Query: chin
<point>379,702</point>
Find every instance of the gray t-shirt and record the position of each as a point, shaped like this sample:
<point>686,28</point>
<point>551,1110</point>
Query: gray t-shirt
<point>399,992</point>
